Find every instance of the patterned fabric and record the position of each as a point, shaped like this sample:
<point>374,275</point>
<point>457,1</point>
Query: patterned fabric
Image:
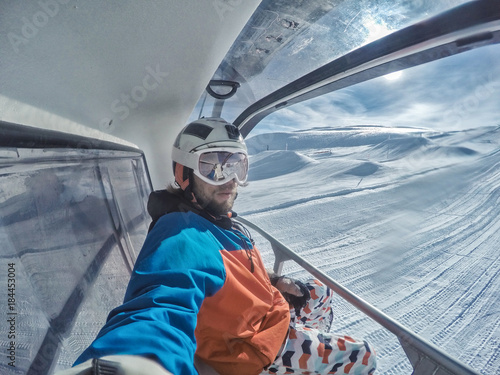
<point>318,313</point>
<point>311,349</point>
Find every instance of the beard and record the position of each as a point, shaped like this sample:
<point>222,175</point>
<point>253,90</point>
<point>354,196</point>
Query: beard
<point>216,208</point>
<point>206,199</point>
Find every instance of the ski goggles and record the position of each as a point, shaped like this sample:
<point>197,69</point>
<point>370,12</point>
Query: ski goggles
<point>216,166</point>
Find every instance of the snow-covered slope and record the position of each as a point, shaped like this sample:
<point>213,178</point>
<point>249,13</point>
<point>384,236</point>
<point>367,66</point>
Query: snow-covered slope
<point>406,218</point>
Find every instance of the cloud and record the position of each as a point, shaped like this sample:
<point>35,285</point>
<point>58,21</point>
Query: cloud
<point>454,93</point>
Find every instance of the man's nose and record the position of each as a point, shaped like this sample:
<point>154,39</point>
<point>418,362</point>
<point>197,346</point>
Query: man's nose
<point>231,183</point>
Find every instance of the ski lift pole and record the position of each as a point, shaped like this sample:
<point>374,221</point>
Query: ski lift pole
<point>425,357</point>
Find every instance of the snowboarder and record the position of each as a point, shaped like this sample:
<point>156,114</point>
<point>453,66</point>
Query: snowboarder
<point>200,299</point>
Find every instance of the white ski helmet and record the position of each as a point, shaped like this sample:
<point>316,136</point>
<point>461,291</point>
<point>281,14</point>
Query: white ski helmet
<point>213,149</point>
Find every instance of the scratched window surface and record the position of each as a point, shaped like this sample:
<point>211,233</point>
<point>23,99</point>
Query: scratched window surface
<point>71,226</point>
<point>284,40</point>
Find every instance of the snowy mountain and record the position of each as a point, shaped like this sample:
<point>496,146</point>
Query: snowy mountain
<point>406,218</point>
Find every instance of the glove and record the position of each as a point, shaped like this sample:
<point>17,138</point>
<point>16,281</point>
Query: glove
<point>294,291</point>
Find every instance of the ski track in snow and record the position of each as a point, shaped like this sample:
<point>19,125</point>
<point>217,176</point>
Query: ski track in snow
<point>415,232</point>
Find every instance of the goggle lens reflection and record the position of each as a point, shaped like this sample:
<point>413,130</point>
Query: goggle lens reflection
<point>221,165</point>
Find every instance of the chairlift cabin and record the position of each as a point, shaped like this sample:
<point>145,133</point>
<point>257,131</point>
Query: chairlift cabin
<point>92,95</point>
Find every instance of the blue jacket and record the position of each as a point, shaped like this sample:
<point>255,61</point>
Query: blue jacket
<point>197,287</point>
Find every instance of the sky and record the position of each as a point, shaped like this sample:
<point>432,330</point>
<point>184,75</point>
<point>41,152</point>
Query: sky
<point>456,93</point>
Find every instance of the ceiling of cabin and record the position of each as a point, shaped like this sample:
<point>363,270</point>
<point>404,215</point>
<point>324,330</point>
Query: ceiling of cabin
<point>130,69</point>
<point>122,62</point>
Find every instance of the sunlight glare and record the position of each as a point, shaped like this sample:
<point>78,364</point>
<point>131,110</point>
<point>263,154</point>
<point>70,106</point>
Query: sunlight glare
<point>393,76</point>
<point>376,29</point>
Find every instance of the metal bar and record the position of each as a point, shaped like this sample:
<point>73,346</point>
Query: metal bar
<point>280,258</point>
<point>428,354</point>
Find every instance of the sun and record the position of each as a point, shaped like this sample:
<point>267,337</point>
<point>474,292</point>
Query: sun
<point>393,76</point>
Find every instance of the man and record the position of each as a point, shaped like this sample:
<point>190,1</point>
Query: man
<point>200,292</point>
